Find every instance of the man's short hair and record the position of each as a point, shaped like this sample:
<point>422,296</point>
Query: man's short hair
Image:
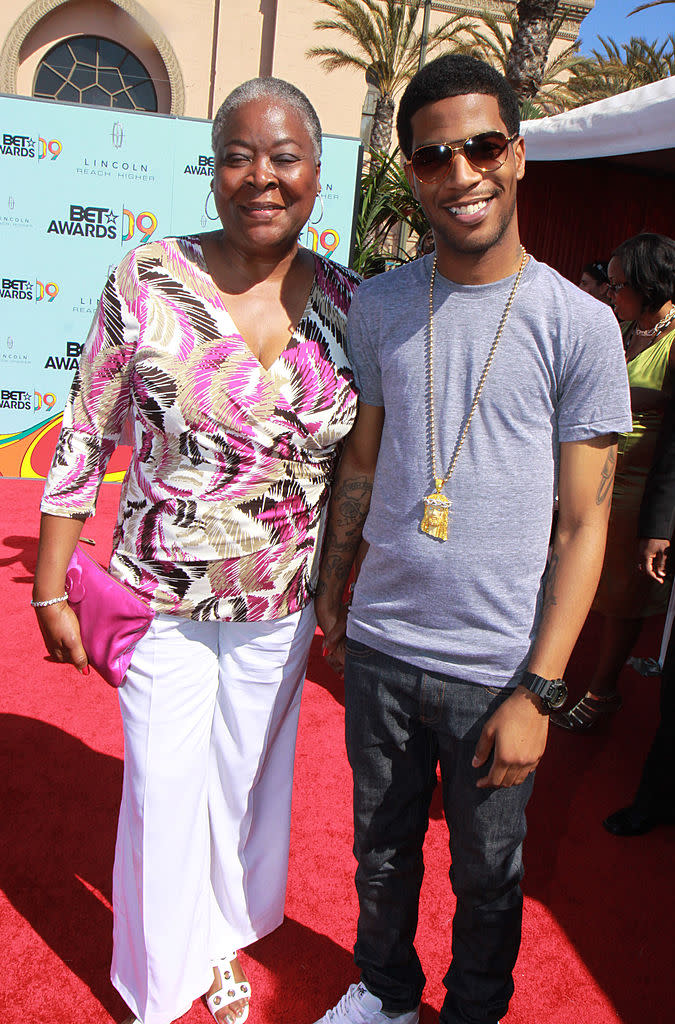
<point>454,75</point>
<point>648,264</point>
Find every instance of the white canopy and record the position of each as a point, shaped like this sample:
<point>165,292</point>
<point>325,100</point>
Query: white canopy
<point>639,121</point>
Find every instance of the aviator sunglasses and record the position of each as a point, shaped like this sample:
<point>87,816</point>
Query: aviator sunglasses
<point>486,152</point>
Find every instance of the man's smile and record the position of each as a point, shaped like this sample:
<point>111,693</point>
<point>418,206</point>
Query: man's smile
<point>470,211</point>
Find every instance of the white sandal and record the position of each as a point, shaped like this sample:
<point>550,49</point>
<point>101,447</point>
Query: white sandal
<point>230,990</point>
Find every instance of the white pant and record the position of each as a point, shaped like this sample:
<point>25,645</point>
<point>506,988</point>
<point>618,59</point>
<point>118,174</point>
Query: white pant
<point>210,713</point>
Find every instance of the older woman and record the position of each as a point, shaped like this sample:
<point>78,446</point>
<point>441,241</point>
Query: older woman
<point>642,285</point>
<point>227,352</point>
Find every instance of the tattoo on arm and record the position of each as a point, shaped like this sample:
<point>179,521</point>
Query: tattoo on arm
<point>348,510</point>
<point>551,576</point>
<point>606,478</point>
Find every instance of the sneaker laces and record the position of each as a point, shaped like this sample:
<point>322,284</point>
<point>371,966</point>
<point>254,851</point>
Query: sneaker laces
<point>350,1007</point>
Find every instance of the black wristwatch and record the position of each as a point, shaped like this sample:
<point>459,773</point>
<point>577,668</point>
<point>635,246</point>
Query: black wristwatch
<point>551,692</point>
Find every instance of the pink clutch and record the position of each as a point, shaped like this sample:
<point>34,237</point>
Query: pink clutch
<point>112,619</point>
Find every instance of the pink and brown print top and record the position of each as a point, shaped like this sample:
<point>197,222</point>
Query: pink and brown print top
<point>222,505</point>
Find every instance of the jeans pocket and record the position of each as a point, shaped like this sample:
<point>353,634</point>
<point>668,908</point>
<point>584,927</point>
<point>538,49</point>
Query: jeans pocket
<point>497,691</point>
<point>355,649</point>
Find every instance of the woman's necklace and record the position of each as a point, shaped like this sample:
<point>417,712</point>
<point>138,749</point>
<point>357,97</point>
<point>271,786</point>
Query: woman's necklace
<point>437,505</point>
<point>657,328</point>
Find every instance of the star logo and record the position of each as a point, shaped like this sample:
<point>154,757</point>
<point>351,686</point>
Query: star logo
<point>112,217</point>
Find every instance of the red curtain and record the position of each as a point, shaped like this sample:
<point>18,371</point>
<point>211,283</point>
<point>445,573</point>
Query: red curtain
<point>573,212</point>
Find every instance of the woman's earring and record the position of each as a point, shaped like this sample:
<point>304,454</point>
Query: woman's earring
<point>320,217</point>
<point>206,205</point>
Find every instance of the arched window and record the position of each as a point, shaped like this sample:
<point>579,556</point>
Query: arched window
<point>95,71</point>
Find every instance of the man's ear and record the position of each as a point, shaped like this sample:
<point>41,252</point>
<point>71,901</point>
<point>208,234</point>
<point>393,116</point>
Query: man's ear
<point>519,155</point>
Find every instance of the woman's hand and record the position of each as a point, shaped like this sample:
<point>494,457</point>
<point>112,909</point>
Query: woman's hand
<point>333,622</point>
<point>61,633</point>
<point>652,557</point>
<point>58,622</point>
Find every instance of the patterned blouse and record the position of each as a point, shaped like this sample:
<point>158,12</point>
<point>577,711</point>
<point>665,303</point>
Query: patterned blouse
<point>222,505</point>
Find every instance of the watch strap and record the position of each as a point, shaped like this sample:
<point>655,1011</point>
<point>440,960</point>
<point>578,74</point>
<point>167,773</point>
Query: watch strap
<point>551,692</point>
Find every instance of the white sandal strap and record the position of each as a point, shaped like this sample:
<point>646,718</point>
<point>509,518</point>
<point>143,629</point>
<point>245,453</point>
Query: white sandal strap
<point>230,990</point>
<point>223,997</point>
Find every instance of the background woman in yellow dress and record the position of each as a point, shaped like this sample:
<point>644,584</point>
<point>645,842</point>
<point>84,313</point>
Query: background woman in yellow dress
<point>642,284</point>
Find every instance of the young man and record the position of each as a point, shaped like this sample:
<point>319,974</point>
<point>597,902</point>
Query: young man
<point>494,384</point>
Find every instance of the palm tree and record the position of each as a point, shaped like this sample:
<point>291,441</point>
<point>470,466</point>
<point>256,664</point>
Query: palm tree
<point>531,43</point>
<point>619,68</point>
<point>654,3</point>
<point>384,44</point>
<point>387,202</point>
<point>492,40</point>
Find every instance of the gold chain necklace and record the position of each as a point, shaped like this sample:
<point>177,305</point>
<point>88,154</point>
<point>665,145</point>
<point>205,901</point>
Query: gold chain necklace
<point>436,505</point>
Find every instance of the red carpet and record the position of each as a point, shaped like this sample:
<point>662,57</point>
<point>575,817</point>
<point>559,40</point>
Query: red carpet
<point>598,932</point>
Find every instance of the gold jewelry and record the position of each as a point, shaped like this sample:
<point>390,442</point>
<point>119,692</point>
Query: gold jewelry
<point>657,328</point>
<point>437,505</point>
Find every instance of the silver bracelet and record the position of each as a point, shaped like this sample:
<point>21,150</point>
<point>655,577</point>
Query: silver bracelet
<point>45,604</point>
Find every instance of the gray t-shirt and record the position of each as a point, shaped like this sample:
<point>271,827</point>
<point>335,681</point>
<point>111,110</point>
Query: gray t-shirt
<point>469,607</point>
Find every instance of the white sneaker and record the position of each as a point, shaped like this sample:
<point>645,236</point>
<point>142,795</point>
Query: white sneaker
<point>359,1006</point>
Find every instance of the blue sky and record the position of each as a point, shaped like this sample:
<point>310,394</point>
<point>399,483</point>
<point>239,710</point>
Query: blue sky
<point>608,18</point>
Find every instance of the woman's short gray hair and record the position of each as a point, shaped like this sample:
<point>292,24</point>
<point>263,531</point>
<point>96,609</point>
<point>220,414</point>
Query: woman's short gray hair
<point>273,89</point>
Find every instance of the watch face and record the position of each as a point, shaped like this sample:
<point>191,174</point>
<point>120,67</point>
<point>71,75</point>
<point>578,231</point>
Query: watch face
<point>556,696</point>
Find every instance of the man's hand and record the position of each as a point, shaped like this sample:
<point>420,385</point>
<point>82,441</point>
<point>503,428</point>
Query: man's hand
<point>332,619</point>
<point>652,553</point>
<point>517,731</point>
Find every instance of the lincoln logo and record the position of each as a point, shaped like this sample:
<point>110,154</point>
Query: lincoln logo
<point>10,343</point>
<point>10,203</point>
<point>117,135</point>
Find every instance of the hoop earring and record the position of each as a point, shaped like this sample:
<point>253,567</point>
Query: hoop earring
<point>206,206</point>
<point>320,217</point>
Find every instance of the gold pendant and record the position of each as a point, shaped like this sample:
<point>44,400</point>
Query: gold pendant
<point>436,514</point>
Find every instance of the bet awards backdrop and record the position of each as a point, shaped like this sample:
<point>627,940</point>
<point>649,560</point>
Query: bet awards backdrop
<point>80,187</point>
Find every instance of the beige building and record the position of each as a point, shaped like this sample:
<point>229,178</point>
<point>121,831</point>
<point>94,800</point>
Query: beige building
<point>184,56</point>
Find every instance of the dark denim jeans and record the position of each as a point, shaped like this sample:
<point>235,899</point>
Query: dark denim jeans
<point>401,722</point>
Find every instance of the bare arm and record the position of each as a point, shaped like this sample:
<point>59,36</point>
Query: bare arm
<point>519,728</point>
<point>58,623</point>
<point>347,511</point>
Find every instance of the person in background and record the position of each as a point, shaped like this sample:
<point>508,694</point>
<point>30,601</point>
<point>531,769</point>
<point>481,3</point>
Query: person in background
<point>595,281</point>
<point>484,379</point>
<point>228,352</point>
<point>642,283</point>
<point>654,802</point>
